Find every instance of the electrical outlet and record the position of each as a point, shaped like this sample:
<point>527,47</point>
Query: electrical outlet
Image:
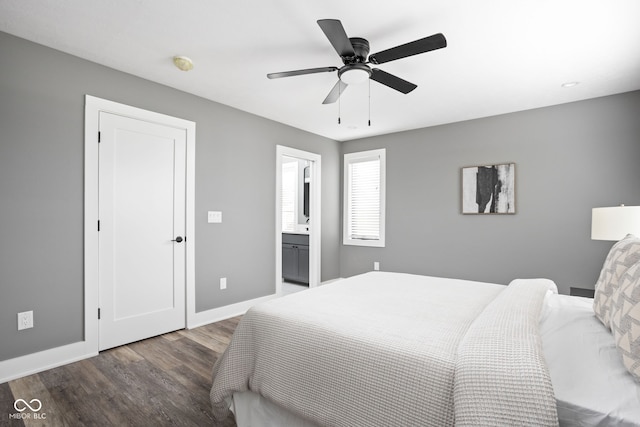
<point>376,266</point>
<point>214,217</point>
<point>25,320</point>
<point>223,283</point>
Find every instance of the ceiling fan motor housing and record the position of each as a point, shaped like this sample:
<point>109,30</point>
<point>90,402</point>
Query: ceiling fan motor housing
<point>355,66</point>
<point>361,48</point>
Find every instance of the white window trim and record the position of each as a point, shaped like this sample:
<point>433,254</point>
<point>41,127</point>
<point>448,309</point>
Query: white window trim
<point>359,156</point>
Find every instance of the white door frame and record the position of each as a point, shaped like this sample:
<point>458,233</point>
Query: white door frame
<point>315,208</point>
<point>93,107</point>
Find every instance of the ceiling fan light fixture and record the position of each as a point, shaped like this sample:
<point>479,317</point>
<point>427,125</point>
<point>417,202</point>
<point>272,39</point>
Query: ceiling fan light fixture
<point>354,74</point>
<point>183,63</point>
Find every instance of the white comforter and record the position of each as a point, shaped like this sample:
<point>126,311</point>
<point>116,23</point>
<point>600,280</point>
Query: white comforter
<point>395,349</point>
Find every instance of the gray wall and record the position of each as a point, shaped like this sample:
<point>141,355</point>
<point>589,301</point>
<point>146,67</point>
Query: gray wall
<point>569,159</point>
<point>41,191</point>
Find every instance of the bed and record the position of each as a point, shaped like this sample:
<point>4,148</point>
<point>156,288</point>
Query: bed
<point>399,349</point>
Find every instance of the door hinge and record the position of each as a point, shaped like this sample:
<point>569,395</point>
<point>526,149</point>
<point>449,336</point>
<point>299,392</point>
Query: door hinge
<point>98,225</point>
<point>99,136</point>
<point>98,314</point>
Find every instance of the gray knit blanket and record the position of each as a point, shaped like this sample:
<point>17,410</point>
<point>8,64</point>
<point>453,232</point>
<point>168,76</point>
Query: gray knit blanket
<point>384,349</point>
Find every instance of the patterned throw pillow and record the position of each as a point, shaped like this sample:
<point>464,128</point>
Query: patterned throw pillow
<point>625,319</point>
<point>622,255</point>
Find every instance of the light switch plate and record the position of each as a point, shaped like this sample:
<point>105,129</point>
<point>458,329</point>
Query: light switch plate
<point>214,217</point>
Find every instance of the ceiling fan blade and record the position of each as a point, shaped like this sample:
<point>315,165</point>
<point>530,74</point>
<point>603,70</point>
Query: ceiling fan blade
<point>392,81</point>
<point>335,92</point>
<point>436,41</point>
<point>334,31</point>
<point>301,72</point>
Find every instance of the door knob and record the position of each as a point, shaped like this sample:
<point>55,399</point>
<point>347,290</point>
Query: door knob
<point>177,239</point>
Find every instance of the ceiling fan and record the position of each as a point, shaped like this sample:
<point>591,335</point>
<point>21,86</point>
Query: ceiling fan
<point>354,51</point>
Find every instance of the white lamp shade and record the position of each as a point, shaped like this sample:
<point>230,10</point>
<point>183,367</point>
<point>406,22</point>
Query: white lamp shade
<point>615,223</point>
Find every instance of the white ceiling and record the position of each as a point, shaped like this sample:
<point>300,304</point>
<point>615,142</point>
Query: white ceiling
<point>502,55</point>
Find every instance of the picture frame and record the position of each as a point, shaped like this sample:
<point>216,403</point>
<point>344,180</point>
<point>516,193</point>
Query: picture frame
<point>489,189</point>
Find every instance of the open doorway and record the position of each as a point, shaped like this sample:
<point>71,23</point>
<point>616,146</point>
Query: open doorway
<point>298,207</point>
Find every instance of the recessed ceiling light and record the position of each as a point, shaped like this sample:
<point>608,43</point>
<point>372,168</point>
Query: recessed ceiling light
<point>183,63</point>
<point>570,84</point>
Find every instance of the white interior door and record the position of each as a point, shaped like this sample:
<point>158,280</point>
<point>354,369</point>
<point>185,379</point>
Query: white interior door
<point>142,207</point>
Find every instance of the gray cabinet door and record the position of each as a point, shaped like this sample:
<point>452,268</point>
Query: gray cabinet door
<point>303,264</point>
<point>295,257</point>
<point>289,262</point>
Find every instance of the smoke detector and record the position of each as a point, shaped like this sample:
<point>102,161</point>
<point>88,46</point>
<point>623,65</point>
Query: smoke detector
<point>183,63</point>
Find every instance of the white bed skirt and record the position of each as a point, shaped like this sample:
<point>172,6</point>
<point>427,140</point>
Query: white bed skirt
<point>253,410</point>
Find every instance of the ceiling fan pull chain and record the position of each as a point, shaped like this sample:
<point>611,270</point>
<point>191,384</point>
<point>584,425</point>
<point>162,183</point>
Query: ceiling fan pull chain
<point>369,102</point>
<point>339,93</point>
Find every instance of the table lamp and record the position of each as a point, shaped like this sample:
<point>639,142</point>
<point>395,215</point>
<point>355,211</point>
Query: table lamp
<point>614,223</point>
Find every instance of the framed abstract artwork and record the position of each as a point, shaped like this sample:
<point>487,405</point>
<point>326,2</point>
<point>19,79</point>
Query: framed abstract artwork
<point>489,189</point>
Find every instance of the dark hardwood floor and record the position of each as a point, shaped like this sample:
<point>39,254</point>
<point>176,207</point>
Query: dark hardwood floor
<point>156,382</point>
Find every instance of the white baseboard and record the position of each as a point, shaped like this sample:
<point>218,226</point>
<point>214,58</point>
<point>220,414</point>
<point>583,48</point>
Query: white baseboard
<point>217,314</point>
<point>326,282</point>
<point>22,366</point>
<point>226,312</point>
<point>47,359</point>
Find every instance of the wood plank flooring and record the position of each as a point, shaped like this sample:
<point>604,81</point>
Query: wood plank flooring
<point>156,382</point>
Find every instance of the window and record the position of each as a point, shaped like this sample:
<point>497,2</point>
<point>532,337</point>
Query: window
<point>364,198</point>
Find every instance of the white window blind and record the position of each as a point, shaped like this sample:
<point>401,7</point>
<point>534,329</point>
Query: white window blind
<point>289,196</point>
<point>364,198</point>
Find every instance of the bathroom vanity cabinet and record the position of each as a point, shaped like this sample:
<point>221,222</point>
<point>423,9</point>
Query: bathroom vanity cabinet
<point>295,258</point>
